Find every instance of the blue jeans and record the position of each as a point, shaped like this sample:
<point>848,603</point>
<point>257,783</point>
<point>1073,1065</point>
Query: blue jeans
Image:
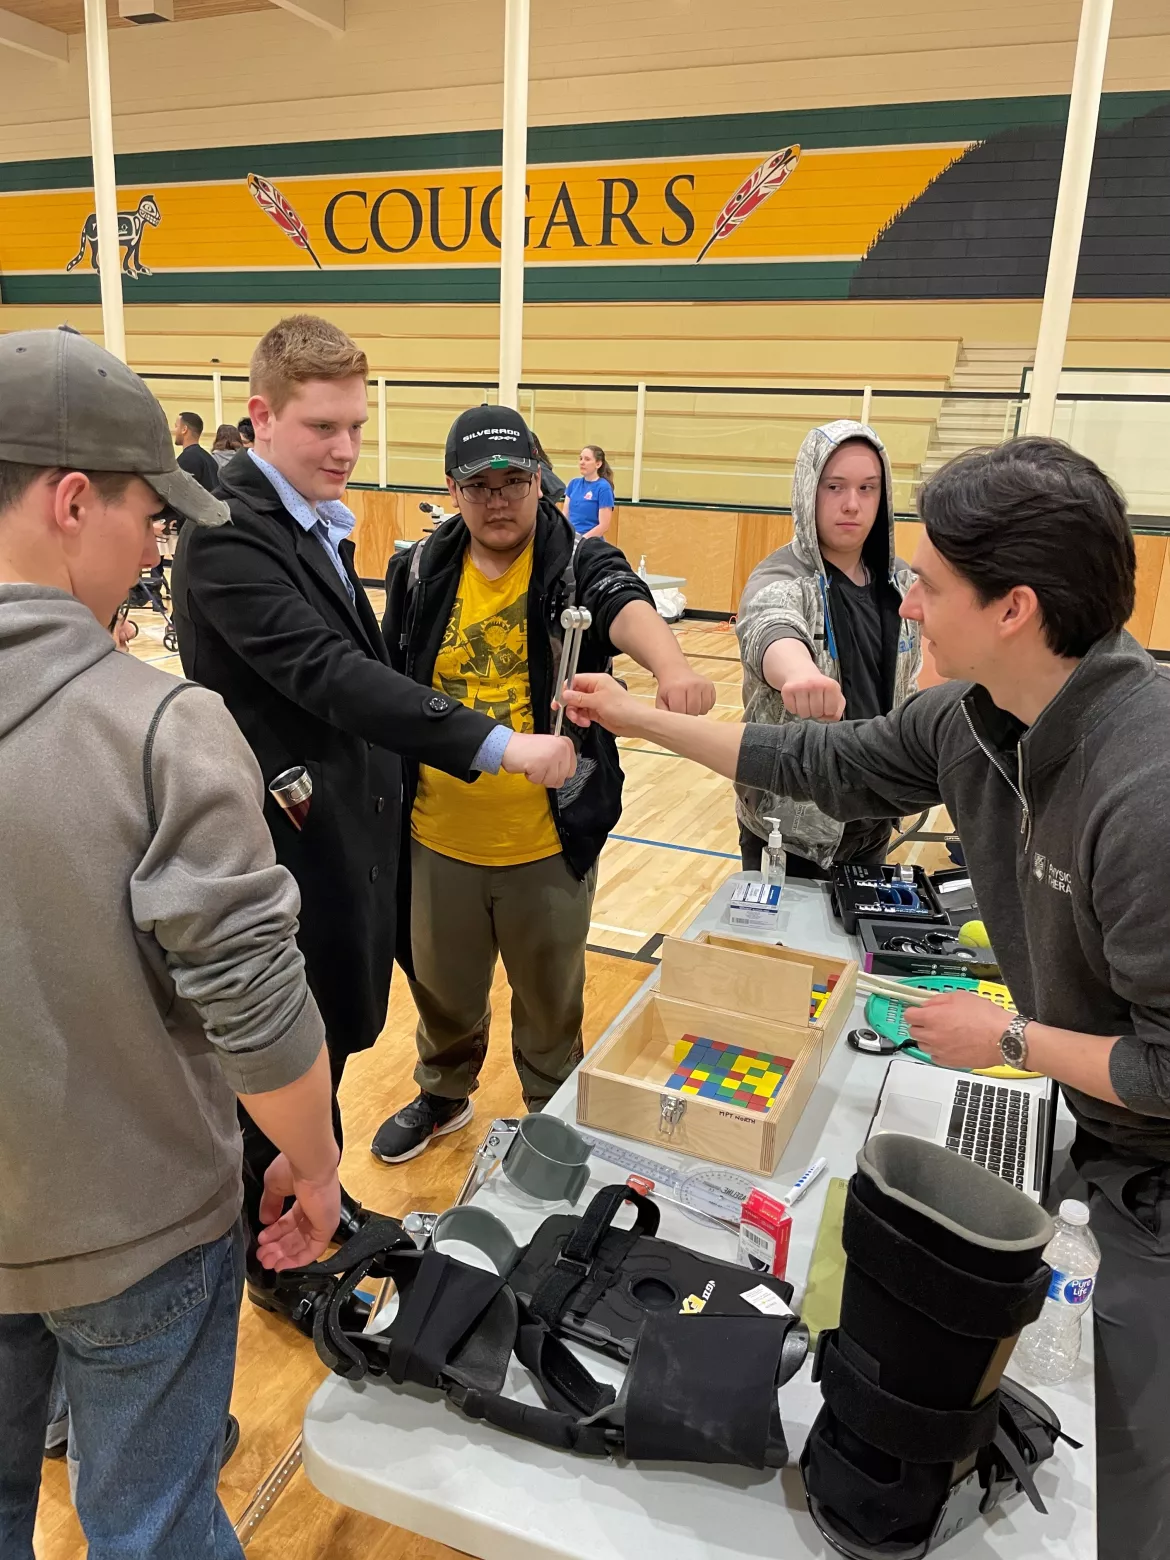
<point>148,1376</point>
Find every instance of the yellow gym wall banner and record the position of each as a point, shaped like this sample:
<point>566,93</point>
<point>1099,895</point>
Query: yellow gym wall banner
<point>911,200</point>
<point>793,206</point>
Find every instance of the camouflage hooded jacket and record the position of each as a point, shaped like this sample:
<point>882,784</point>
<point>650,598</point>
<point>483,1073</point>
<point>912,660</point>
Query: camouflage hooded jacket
<point>787,595</point>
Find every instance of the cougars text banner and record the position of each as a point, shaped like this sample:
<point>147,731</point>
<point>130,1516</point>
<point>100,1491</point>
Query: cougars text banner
<point>791,205</point>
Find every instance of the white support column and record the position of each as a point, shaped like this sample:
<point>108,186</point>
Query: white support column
<point>383,453</point>
<point>105,189</point>
<point>1079,139</point>
<point>217,397</point>
<point>866,403</point>
<point>639,443</point>
<point>515,170</point>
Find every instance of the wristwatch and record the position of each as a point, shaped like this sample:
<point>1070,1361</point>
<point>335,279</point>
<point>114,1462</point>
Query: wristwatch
<point>1013,1044</point>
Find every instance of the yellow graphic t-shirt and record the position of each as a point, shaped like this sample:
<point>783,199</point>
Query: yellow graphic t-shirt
<point>500,820</point>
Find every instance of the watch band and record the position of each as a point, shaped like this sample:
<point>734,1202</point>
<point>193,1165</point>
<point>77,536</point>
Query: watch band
<point>1013,1043</point>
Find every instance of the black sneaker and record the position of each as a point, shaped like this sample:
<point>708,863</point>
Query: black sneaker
<point>410,1130</point>
<point>57,1438</point>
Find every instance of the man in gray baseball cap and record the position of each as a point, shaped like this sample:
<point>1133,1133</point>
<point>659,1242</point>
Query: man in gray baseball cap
<point>149,979</point>
<point>66,402</point>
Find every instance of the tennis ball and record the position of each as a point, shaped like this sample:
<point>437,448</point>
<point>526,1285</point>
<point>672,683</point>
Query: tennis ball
<point>973,934</point>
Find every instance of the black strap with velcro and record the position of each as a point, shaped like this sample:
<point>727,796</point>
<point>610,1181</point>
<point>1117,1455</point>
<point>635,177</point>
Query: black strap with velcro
<point>904,1430</point>
<point>575,1263</point>
<point>961,1302</point>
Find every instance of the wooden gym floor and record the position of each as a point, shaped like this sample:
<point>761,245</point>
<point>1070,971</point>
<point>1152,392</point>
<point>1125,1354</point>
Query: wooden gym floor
<point>677,842</point>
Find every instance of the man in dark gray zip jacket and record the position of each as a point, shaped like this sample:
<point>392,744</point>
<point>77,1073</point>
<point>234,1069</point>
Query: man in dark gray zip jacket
<point>1051,750</point>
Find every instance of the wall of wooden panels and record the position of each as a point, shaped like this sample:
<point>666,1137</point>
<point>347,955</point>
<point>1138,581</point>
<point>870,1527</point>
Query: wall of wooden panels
<point>716,550</point>
<point>382,519</point>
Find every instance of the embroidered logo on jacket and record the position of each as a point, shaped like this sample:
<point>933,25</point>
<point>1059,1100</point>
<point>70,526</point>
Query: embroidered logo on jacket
<point>1059,880</point>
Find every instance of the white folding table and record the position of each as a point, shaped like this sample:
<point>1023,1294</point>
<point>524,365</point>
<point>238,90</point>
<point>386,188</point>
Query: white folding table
<point>406,1456</point>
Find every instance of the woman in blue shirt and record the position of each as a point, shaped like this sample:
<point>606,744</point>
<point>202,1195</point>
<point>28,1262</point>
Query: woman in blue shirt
<point>591,494</point>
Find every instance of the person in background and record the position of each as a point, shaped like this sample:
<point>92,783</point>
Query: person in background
<point>551,486</point>
<point>590,496</point>
<point>227,442</point>
<point>247,432</point>
<point>503,868</point>
<point>821,638</point>
<point>271,615</point>
<point>1050,747</point>
<point>193,458</point>
<point>168,988</point>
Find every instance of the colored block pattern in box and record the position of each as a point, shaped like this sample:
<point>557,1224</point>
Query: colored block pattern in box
<point>714,1070</point>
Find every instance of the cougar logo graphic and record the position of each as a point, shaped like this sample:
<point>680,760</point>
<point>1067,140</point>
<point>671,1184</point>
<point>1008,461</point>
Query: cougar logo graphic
<point>131,226</point>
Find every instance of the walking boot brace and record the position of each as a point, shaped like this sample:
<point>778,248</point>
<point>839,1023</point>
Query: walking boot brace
<point>918,1433</point>
<point>699,1388</point>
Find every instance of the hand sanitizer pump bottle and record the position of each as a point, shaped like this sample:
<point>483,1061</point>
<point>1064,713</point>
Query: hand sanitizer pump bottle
<point>774,859</point>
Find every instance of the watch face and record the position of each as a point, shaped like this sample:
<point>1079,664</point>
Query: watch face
<point>1012,1047</point>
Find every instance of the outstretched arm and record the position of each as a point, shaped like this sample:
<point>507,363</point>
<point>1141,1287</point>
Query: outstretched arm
<point>856,769</point>
<point>638,631</point>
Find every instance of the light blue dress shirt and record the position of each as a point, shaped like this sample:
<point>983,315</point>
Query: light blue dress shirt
<point>331,523</point>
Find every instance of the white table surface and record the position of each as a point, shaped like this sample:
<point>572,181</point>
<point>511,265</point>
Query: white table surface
<point>664,581</point>
<point>406,1456</point>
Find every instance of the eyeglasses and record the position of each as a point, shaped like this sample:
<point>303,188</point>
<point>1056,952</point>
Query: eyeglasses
<point>511,491</point>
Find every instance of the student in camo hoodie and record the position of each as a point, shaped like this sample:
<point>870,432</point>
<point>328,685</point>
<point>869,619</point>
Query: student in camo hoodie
<point>821,638</point>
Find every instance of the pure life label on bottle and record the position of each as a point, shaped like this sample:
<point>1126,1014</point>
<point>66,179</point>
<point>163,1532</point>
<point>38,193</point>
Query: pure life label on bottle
<point>1072,1291</point>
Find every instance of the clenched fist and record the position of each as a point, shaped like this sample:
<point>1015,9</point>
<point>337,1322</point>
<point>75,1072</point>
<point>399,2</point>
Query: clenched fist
<point>685,692</point>
<point>813,695</point>
<point>547,761</point>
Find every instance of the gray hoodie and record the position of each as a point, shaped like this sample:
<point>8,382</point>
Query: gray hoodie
<point>148,967</point>
<point>785,598</point>
<point>1066,831</point>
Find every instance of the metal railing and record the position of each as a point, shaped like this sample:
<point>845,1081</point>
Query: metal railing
<point>709,446</point>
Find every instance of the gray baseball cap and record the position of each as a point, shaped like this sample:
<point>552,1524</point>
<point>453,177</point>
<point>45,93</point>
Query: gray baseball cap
<point>66,402</point>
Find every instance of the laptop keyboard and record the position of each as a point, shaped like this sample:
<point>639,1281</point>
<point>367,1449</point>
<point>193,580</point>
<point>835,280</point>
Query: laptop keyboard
<point>990,1126</point>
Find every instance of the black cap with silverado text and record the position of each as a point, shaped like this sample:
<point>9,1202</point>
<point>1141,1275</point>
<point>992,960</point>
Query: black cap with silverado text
<point>488,438</point>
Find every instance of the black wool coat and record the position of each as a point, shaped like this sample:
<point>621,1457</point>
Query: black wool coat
<point>264,620</point>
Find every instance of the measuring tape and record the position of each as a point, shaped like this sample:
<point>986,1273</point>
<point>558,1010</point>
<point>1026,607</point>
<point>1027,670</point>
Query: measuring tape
<point>707,1191</point>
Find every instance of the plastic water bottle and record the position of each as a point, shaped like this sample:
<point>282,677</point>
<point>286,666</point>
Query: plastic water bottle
<point>1050,1347</point>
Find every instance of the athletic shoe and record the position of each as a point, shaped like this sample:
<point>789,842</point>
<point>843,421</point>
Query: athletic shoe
<point>409,1131</point>
<point>57,1438</point>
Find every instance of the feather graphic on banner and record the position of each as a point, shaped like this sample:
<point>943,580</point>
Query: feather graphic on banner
<point>269,199</point>
<point>752,193</point>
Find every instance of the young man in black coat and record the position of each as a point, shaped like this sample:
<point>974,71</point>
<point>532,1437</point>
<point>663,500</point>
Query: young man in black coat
<point>272,616</point>
<point>474,612</point>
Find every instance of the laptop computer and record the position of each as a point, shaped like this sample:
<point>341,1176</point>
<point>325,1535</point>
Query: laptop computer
<point>1004,1124</point>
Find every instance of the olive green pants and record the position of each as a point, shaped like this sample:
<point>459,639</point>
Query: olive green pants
<point>536,917</point>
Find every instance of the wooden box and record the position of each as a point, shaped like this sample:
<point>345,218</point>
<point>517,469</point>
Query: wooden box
<point>620,1087</point>
<point>764,980</point>
<point>730,990</point>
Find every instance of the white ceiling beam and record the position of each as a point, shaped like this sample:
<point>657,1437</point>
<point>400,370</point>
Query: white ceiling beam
<point>46,43</point>
<point>329,14</point>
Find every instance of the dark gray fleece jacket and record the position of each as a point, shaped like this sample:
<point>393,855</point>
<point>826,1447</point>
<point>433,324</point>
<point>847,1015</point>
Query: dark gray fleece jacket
<point>1066,830</point>
<point>149,970</point>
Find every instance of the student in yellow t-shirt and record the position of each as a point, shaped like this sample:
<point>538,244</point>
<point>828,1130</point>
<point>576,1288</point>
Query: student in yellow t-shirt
<point>501,867</point>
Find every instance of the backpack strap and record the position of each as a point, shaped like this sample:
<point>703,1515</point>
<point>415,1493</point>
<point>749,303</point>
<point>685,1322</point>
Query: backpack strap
<point>410,605</point>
